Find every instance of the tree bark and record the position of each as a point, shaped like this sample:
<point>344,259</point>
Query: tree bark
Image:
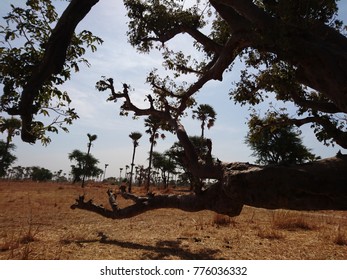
<point>319,185</point>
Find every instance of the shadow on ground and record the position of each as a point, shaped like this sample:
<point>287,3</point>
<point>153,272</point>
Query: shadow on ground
<point>167,249</point>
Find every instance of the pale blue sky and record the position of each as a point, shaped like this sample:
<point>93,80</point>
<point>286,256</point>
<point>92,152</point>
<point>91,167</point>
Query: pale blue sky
<point>117,59</point>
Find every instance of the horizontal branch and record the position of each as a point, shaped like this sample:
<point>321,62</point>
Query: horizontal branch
<point>319,185</point>
<point>339,136</point>
<point>325,107</point>
<point>251,12</point>
<point>212,199</point>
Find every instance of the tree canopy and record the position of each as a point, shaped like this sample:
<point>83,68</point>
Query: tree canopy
<point>276,145</point>
<point>294,51</point>
<point>86,165</point>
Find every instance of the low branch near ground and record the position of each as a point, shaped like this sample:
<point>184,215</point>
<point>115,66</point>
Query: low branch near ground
<point>212,199</point>
<point>319,185</point>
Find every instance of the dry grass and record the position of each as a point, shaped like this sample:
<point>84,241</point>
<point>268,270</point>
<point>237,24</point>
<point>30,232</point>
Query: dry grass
<point>341,237</point>
<point>291,220</point>
<point>270,233</point>
<point>36,222</point>
<point>220,220</point>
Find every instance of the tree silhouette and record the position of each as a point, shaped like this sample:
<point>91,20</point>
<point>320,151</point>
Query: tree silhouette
<point>152,124</point>
<point>86,165</point>
<point>293,49</point>
<point>207,115</point>
<point>276,144</point>
<point>91,138</point>
<point>6,157</point>
<point>11,126</point>
<point>165,164</point>
<point>43,59</point>
<point>135,136</point>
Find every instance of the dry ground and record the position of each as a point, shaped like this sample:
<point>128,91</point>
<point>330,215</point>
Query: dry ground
<point>36,222</point>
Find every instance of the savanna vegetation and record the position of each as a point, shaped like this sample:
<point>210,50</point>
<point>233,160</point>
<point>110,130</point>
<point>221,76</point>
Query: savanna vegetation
<point>295,51</point>
<point>37,223</point>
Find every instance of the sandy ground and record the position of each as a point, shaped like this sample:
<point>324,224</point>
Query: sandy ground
<point>36,222</point>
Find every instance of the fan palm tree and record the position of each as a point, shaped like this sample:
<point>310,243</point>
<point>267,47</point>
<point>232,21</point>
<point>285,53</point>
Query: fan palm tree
<point>135,136</point>
<point>91,139</point>
<point>206,114</point>
<point>153,125</point>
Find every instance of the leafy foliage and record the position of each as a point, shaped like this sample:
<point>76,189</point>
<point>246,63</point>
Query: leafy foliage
<point>22,47</point>
<point>273,144</point>
<point>154,20</point>
<point>41,174</point>
<point>165,164</point>
<point>6,157</point>
<point>86,164</point>
<point>268,36</point>
<point>207,115</point>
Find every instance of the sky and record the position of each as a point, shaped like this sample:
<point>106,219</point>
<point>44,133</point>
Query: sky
<point>116,58</point>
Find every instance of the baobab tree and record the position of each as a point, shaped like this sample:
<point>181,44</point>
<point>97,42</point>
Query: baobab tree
<point>135,136</point>
<point>295,50</point>
<point>207,115</point>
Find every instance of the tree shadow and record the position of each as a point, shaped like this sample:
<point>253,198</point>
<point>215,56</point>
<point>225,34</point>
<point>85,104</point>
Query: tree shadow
<point>164,249</point>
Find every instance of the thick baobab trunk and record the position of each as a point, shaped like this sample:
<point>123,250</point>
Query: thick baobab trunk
<point>319,185</point>
<point>312,186</point>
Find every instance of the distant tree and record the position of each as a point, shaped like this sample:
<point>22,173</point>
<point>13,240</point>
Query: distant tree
<point>59,176</point>
<point>18,172</point>
<point>41,174</point>
<point>135,136</point>
<point>126,172</point>
<point>274,144</point>
<point>203,150</point>
<point>6,157</point>
<point>11,127</point>
<point>152,124</point>
<point>165,164</point>
<point>141,174</point>
<point>91,139</point>
<point>85,164</point>
<point>206,114</point>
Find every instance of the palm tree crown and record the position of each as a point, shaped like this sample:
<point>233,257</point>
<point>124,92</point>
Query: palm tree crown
<point>205,113</point>
<point>135,136</point>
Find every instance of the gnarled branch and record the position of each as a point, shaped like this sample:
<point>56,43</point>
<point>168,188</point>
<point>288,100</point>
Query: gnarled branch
<point>319,185</point>
<point>213,199</point>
